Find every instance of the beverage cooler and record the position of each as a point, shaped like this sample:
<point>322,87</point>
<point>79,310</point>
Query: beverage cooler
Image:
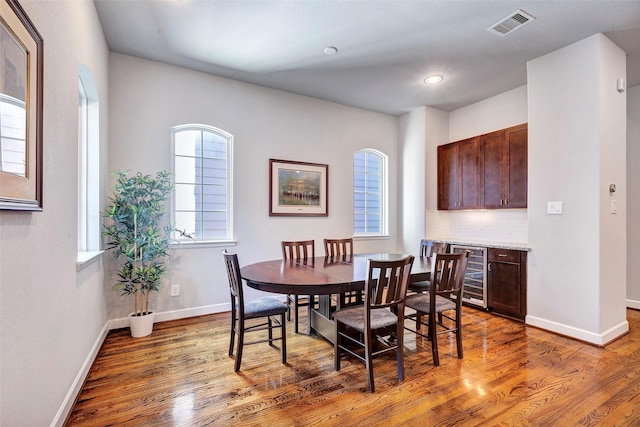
<point>474,289</point>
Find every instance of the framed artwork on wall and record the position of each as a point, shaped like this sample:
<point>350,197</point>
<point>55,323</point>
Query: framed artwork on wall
<point>298,188</point>
<point>21,103</point>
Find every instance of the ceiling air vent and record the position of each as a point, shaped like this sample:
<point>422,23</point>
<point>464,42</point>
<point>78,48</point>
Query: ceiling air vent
<point>511,23</point>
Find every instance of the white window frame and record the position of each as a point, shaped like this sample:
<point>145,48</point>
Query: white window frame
<point>88,169</point>
<point>384,223</point>
<point>228,239</point>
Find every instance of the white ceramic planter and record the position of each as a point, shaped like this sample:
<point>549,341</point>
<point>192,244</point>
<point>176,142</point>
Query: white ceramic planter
<point>141,326</point>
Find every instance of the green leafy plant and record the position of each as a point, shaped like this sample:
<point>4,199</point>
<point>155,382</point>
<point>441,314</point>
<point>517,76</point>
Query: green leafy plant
<point>136,236</point>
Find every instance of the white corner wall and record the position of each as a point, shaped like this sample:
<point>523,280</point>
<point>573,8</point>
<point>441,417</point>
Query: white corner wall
<point>633,197</point>
<point>421,131</point>
<point>413,159</point>
<point>148,98</point>
<point>576,149</point>
<point>52,317</point>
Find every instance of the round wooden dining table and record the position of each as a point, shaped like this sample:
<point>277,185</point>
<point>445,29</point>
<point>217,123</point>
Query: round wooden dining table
<point>322,276</point>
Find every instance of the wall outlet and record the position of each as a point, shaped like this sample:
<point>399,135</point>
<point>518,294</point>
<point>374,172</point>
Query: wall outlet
<point>175,290</point>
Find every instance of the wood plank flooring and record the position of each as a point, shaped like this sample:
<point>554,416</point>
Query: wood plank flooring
<point>511,375</point>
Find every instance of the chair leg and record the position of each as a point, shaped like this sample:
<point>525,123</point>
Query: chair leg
<point>240,346</point>
<point>270,330</point>
<point>283,331</point>
<point>434,338</point>
<point>233,333</point>
<point>295,309</point>
<point>368,350</point>
<point>459,333</point>
<point>399,350</point>
<point>336,348</point>
<point>289,296</point>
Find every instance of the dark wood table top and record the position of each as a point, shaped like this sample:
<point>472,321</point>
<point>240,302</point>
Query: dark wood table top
<point>320,275</point>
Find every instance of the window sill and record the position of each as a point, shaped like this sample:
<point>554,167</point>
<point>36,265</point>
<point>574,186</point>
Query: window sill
<point>371,237</point>
<point>196,244</point>
<point>87,258</point>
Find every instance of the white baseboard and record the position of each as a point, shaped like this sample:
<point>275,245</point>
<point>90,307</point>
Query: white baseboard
<point>633,304</point>
<point>163,316</point>
<point>577,333</point>
<point>76,386</point>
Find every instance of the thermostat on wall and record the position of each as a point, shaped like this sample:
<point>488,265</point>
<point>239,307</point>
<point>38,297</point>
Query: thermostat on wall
<point>554,208</point>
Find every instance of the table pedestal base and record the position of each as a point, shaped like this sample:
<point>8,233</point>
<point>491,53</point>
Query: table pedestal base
<point>320,318</point>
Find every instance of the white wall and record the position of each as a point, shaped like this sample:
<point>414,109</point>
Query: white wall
<point>575,120</point>
<point>633,197</point>
<point>509,225</point>
<point>148,98</point>
<point>421,131</point>
<point>52,316</point>
<point>411,135</point>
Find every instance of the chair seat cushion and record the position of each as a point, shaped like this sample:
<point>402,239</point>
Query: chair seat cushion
<point>420,303</point>
<point>265,306</point>
<point>420,286</point>
<point>354,317</point>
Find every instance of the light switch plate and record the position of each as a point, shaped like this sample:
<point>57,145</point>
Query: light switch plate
<point>554,208</point>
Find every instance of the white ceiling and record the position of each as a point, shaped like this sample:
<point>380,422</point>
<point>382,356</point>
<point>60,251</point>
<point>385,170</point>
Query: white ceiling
<point>385,47</point>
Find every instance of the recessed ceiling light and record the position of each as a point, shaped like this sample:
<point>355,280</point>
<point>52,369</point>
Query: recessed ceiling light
<point>330,50</point>
<point>433,79</point>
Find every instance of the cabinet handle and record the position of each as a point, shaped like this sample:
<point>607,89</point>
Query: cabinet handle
<point>502,255</point>
<point>489,267</point>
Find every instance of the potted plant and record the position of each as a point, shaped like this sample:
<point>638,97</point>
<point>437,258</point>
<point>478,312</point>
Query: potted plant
<point>138,240</point>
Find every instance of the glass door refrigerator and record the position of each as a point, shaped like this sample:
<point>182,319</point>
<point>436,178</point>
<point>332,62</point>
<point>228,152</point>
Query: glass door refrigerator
<point>474,289</point>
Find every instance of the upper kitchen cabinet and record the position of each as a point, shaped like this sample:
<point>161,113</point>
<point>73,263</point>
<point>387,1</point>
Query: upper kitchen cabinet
<point>484,172</point>
<point>503,155</point>
<point>459,175</point>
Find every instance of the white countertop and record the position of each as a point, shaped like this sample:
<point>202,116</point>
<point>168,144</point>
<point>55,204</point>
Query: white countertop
<point>481,243</point>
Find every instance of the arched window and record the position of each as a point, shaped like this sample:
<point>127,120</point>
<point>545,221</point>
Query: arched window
<point>88,167</point>
<point>369,192</point>
<point>202,168</point>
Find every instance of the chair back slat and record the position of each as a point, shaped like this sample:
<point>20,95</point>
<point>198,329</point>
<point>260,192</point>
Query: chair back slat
<point>235,279</point>
<point>338,248</point>
<point>386,284</point>
<point>429,247</point>
<point>298,250</point>
<point>447,273</point>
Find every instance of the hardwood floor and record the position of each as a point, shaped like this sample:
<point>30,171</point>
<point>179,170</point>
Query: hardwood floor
<point>511,375</point>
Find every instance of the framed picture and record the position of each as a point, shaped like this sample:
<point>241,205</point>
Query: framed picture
<point>21,79</point>
<point>298,188</point>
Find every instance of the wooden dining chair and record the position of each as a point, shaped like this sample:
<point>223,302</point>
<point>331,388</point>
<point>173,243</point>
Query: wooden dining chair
<point>342,250</point>
<point>385,291</point>
<point>444,299</point>
<point>338,248</point>
<point>270,309</point>
<point>304,251</point>
<point>427,249</point>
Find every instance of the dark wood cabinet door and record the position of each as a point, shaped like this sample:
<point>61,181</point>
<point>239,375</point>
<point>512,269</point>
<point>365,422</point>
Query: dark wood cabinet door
<point>488,171</point>
<point>504,287</point>
<point>448,176</point>
<point>507,282</point>
<point>493,166</point>
<point>469,190</point>
<point>516,146</point>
